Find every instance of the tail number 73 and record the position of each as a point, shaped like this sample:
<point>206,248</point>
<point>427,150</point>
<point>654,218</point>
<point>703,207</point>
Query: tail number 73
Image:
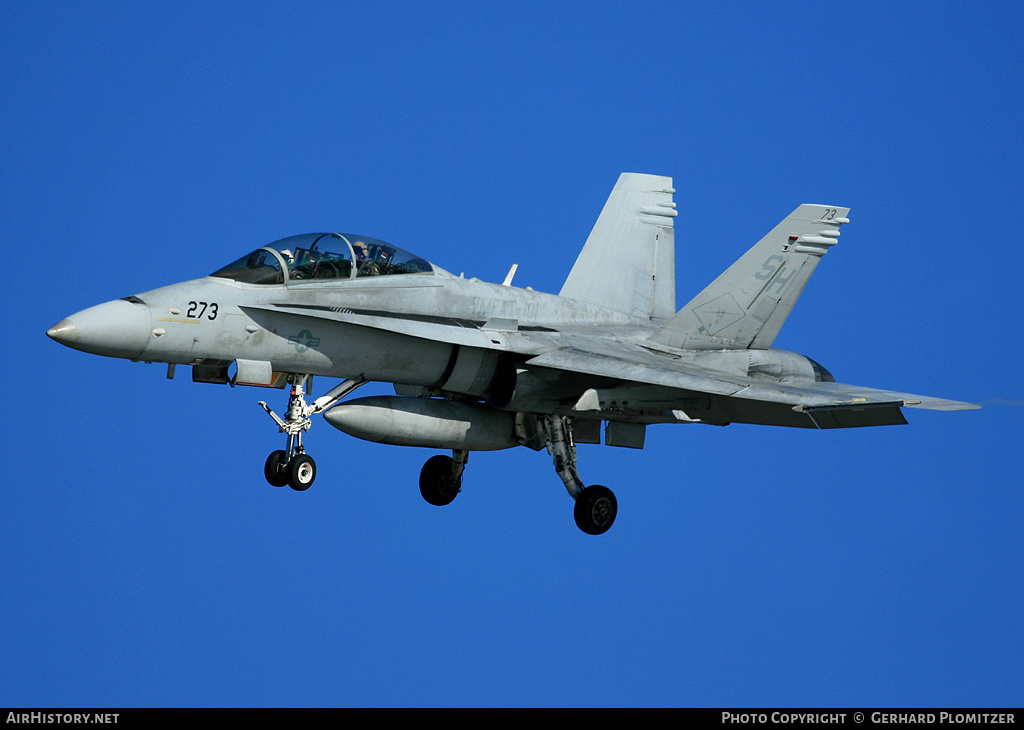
<point>196,310</point>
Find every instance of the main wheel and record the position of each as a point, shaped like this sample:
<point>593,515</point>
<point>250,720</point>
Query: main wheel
<point>436,483</point>
<point>274,469</point>
<point>301,472</point>
<point>595,509</point>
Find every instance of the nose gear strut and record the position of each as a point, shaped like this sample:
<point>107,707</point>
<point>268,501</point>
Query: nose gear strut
<point>293,466</point>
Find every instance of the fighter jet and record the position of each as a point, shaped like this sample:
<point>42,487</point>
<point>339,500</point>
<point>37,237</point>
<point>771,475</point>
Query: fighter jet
<point>480,366</point>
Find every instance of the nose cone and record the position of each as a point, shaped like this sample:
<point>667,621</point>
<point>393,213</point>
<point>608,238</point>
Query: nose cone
<point>63,332</point>
<point>115,329</point>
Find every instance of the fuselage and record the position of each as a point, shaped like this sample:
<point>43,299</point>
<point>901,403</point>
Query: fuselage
<point>300,307</point>
<point>395,328</point>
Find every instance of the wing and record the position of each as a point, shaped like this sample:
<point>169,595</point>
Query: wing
<point>634,383</point>
<point>717,397</point>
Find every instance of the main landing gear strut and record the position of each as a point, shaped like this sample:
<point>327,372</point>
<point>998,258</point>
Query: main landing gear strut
<point>595,505</point>
<point>293,466</point>
<point>441,478</point>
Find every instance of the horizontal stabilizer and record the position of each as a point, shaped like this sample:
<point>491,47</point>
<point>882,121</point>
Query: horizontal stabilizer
<point>746,306</point>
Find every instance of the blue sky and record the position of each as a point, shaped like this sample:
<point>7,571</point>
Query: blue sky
<point>145,562</point>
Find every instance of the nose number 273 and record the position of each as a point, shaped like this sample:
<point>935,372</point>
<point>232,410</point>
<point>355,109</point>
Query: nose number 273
<point>196,310</point>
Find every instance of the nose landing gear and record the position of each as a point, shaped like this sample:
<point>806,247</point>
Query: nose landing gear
<point>294,466</point>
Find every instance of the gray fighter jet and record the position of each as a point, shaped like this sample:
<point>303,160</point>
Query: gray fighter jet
<point>479,366</point>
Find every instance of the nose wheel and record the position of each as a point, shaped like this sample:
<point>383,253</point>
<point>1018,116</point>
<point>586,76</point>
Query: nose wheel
<point>293,466</point>
<point>301,472</point>
<point>297,472</point>
<point>274,469</point>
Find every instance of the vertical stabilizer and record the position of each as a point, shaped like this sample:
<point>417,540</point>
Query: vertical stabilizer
<point>628,263</point>
<point>746,306</point>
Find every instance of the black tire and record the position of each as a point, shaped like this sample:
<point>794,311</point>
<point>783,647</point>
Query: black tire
<point>595,509</point>
<point>436,484</point>
<point>301,472</point>
<point>274,470</point>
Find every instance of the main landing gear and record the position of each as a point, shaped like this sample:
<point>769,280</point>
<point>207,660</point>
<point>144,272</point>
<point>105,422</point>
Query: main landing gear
<point>293,466</point>
<point>441,477</point>
<point>595,510</point>
<point>595,505</point>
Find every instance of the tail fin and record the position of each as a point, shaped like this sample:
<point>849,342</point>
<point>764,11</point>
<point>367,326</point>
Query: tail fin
<point>628,262</point>
<point>746,306</point>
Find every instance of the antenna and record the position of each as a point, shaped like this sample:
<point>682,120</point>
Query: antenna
<point>509,275</point>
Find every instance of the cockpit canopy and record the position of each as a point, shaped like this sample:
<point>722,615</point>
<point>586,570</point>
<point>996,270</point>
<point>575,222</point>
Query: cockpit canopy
<point>321,257</point>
